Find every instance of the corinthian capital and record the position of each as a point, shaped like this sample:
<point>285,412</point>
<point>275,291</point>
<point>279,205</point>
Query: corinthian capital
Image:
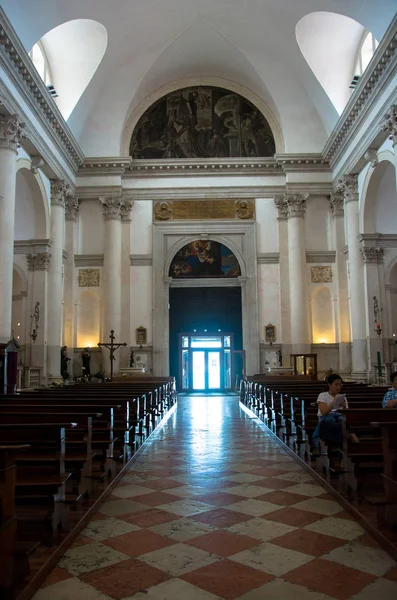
<point>348,187</point>
<point>111,208</point>
<point>71,208</point>
<point>125,210</point>
<point>59,192</point>
<point>282,207</point>
<point>11,132</point>
<point>296,204</point>
<point>389,123</point>
<point>336,201</point>
<point>38,262</point>
<point>372,255</point>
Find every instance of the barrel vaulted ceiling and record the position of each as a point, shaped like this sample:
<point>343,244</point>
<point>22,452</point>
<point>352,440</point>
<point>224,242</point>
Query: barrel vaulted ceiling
<point>154,44</point>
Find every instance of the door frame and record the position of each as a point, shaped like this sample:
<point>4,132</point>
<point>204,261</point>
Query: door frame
<point>206,350</point>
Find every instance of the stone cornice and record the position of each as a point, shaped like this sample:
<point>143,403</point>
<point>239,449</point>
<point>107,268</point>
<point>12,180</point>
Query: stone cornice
<point>302,162</point>
<point>320,256</point>
<point>32,246</point>
<point>378,74</point>
<point>379,240</point>
<point>18,66</point>
<point>203,167</point>
<point>141,260</point>
<point>104,166</point>
<point>88,260</point>
<point>207,282</point>
<point>268,258</point>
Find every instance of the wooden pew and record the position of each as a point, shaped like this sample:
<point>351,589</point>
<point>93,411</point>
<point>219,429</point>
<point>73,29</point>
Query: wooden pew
<point>389,477</point>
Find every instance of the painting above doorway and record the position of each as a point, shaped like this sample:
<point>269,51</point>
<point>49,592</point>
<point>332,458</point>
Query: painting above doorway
<point>202,122</point>
<point>204,258</point>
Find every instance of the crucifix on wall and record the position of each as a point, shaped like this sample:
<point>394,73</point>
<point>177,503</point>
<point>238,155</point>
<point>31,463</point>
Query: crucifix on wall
<point>112,346</point>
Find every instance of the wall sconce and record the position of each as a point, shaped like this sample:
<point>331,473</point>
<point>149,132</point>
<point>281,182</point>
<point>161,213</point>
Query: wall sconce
<point>34,322</point>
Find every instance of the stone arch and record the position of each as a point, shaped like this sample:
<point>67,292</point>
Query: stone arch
<point>39,197</point>
<point>370,189</point>
<point>134,114</point>
<point>221,239</point>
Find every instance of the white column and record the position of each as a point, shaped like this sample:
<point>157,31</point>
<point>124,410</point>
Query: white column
<point>59,192</point>
<point>389,124</point>
<point>10,136</point>
<point>285,307</point>
<point>348,186</point>
<point>112,278</point>
<point>125,281</point>
<point>36,355</point>
<point>299,296</point>
<point>70,281</point>
<point>342,305</point>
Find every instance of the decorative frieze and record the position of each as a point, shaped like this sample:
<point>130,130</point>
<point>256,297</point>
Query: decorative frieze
<point>372,255</point>
<point>111,208</point>
<point>321,274</point>
<point>11,132</point>
<point>59,192</point>
<point>39,261</point>
<point>336,201</point>
<point>125,210</point>
<point>71,208</point>
<point>282,207</point>
<point>348,187</point>
<point>89,277</point>
<point>296,204</point>
<point>390,124</point>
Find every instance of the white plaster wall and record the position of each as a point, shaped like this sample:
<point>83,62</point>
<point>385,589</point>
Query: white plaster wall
<point>386,203</point>
<point>269,299</point>
<point>92,228</point>
<point>267,229</point>
<point>317,224</point>
<point>141,227</point>
<point>25,216</point>
<point>141,301</point>
<point>88,317</point>
<point>323,321</point>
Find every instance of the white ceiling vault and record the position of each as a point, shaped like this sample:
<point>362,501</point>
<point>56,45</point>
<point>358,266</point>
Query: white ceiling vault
<point>153,44</point>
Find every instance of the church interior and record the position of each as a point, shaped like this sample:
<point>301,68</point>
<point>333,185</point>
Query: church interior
<point>198,240</point>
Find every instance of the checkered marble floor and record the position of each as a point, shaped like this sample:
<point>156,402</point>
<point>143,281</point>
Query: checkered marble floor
<point>214,508</point>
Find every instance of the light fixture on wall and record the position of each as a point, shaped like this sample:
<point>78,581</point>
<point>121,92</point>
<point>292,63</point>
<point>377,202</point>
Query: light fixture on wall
<point>34,322</point>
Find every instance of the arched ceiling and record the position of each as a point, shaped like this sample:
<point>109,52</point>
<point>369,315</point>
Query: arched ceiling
<point>153,43</point>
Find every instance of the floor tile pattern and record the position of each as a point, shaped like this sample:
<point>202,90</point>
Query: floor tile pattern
<point>214,508</point>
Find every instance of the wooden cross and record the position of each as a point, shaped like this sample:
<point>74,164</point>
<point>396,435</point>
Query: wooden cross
<point>112,347</point>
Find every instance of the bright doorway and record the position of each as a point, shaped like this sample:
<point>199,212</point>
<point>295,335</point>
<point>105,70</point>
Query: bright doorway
<point>206,363</point>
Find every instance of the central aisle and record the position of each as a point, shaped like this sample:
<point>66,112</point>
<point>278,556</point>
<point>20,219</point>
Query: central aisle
<point>214,508</point>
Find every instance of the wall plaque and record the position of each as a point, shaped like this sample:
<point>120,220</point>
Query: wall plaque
<point>321,274</point>
<point>202,210</point>
<point>89,277</point>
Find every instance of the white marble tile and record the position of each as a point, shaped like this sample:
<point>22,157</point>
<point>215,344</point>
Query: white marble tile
<point>174,589</point>
<point>320,506</point>
<point>179,559</point>
<point>339,528</point>
<point>182,529</point>
<point>278,589</point>
<point>306,489</point>
<point>131,490</point>
<point>186,491</point>
<point>253,507</point>
<point>70,589</point>
<point>102,529</point>
<point>363,558</point>
<point>272,559</point>
<point>185,508</point>
<point>261,529</point>
<point>297,477</point>
<point>121,507</point>
<point>242,478</point>
<point>246,490</point>
<point>381,589</point>
<point>90,557</point>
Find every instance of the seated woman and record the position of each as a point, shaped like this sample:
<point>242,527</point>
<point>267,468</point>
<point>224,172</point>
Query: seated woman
<point>390,398</point>
<point>329,428</point>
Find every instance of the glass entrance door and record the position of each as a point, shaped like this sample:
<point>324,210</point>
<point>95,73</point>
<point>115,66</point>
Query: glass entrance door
<point>206,362</point>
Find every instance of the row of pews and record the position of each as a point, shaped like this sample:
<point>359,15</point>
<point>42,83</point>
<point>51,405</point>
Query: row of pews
<point>369,465</point>
<point>60,450</point>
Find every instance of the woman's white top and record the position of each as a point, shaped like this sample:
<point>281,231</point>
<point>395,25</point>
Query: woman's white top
<point>326,398</point>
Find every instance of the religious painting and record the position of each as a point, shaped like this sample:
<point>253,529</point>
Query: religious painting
<point>204,258</point>
<point>270,333</point>
<point>202,122</point>
<point>141,336</point>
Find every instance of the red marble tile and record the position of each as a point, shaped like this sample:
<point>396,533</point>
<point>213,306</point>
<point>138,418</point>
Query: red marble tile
<point>330,578</point>
<point>223,543</point>
<point>293,516</point>
<point>137,543</point>
<point>160,484</point>
<point>125,579</point>
<point>282,498</point>
<point>218,498</point>
<point>81,541</point>
<point>99,516</point>
<point>221,517</point>
<point>56,576</point>
<point>274,484</point>
<point>212,483</point>
<point>392,575</point>
<point>343,515</point>
<point>148,518</point>
<point>156,498</point>
<point>309,542</point>
<point>227,579</point>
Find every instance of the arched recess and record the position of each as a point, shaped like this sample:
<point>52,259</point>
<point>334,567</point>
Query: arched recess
<point>31,199</point>
<point>323,320</point>
<point>134,114</point>
<point>88,320</point>
<point>74,51</point>
<point>378,209</point>
<point>330,43</point>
